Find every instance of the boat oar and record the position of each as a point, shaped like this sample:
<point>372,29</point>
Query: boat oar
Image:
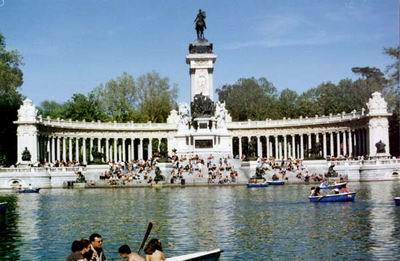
<point>149,227</point>
<point>320,198</point>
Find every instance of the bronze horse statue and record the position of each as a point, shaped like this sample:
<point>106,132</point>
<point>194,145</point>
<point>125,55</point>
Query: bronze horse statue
<point>200,24</point>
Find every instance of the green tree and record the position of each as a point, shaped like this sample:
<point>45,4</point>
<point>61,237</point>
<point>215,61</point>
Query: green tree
<point>288,104</point>
<point>81,107</point>
<point>52,109</point>
<point>156,97</point>
<point>250,98</point>
<point>118,98</point>
<point>11,78</point>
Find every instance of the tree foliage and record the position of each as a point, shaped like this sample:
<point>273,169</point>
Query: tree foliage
<point>11,78</point>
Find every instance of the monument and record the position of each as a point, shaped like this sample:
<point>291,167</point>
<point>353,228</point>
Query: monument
<point>202,130</point>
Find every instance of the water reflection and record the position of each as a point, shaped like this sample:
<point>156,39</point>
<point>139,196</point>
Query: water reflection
<point>260,224</point>
<point>10,238</point>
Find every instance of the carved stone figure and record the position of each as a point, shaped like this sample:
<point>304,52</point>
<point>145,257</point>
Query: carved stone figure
<point>380,147</point>
<point>200,24</point>
<point>184,116</point>
<point>202,106</point>
<point>220,115</point>
<point>26,155</point>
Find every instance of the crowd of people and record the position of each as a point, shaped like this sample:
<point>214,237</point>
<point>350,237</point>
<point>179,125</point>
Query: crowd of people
<point>92,250</point>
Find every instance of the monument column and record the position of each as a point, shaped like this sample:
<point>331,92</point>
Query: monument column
<point>84,160</point>
<point>324,145</point>
<point>344,143</point>
<point>338,143</point>
<point>331,143</point>
<point>259,147</point>
<point>309,144</point>
<point>115,150</point>
<point>69,148</point>
<point>64,150</point>
<point>90,149</point>
<point>58,147</point>
<point>302,146</point>
<point>123,150</point>
<point>140,152</point>
<point>378,126</point>
<point>107,150</point>
<point>350,144</point>
<point>293,146</point>
<point>276,147</point>
<point>285,147</point>
<point>77,149</point>
<point>53,152</point>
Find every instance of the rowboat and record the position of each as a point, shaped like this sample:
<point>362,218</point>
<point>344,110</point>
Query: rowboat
<point>276,182</point>
<point>28,190</point>
<point>258,185</point>
<point>341,197</point>
<point>3,207</point>
<point>397,201</point>
<point>203,255</point>
<point>332,186</point>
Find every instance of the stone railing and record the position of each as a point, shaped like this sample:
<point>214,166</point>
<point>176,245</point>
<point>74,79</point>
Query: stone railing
<point>317,120</point>
<point>111,126</point>
<point>365,162</point>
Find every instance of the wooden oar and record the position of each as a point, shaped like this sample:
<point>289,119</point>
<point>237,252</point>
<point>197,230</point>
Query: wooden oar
<point>149,227</point>
<point>320,198</point>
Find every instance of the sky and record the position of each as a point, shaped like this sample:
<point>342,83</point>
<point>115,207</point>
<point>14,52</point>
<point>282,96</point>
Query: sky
<point>73,46</point>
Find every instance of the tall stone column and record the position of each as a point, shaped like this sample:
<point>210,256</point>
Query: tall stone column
<point>350,144</point>
<point>77,149</point>
<point>84,160</point>
<point>53,151</point>
<point>344,143</point>
<point>293,146</point>
<point>355,139</point>
<point>317,143</point>
<point>64,150</point>
<point>378,125</point>
<point>338,143</point>
<point>140,152</point>
<point>70,149</point>
<point>331,144</point>
<point>309,144</point>
<point>90,149</point>
<point>58,147</point>
<point>276,147</point>
<point>324,145</point>
<point>115,150</point>
<point>267,147</point>
<point>259,147</point>
<point>123,150</point>
<point>285,147</point>
<point>301,146</point>
<point>48,157</point>
<point>240,147</point>
<point>133,148</point>
<point>107,150</point>
<point>150,149</point>
<point>98,144</point>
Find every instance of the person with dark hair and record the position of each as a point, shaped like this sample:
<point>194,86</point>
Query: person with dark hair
<point>78,249</point>
<point>153,251</point>
<point>317,192</point>
<point>125,252</point>
<point>95,252</point>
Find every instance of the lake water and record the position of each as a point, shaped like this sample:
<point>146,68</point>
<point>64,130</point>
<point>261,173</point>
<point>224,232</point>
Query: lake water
<point>274,223</point>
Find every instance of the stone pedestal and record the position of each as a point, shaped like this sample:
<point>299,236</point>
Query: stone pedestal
<point>201,66</point>
<point>378,125</point>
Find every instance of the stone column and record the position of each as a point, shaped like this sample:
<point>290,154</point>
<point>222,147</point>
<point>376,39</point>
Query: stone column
<point>293,146</point>
<point>64,151</point>
<point>331,143</point>
<point>58,148</point>
<point>338,143</point>
<point>324,145</point>
<point>259,147</point>
<point>123,150</point>
<point>302,146</point>
<point>355,143</point>
<point>140,147</point>
<point>344,143</point>
<point>53,156</point>
<point>84,160</point>
<point>70,149</point>
<point>309,144</point>
<point>77,149</point>
<point>150,149</point>
<point>276,147</point>
<point>240,147</point>
<point>317,143</point>
<point>350,144</point>
<point>48,150</point>
<point>98,144</point>
<point>133,148</point>
<point>90,149</point>
<point>285,147</point>
<point>115,150</point>
<point>267,149</point>
<point>107,150</point>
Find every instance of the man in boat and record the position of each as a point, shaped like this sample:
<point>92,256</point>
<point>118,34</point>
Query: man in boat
<point>125,252</point>
<point>96,248</point>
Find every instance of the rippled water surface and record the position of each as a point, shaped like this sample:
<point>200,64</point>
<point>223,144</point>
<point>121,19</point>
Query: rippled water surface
<point>274,223</point>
